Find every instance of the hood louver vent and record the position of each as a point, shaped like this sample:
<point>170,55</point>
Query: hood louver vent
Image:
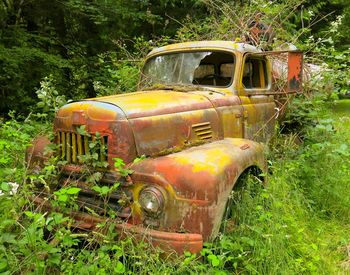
<point>203,130</point>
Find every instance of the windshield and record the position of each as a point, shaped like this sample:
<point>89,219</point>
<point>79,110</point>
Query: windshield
<point>189,68</point>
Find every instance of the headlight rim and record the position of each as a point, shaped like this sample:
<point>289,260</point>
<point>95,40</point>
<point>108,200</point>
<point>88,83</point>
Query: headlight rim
<point>158,194</point>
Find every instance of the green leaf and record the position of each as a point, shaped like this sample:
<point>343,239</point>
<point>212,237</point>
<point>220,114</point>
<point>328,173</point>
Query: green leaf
<point>63,198</point>
<point>5,187</point>
<point>3,265</point>
<point>92,145</point>
<point>120,268</point>
<point>29,214</point>
<point>8,238</point>
<point>105,190</point>
<point>96,188</point>
<point>81,130</point>
<point>55,259</point>
<point>214,260</point>
<point>116,185</point>
<point>95,177</point>
<point>139,159</point>
<point>118,163</point>
<point>73,190</point>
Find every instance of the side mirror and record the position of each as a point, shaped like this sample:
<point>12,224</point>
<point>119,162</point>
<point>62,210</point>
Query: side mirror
<point>295,71</point>
<point>293,61</point>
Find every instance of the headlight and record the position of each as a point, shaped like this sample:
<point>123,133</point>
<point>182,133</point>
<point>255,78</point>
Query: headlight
<point>151,200</point>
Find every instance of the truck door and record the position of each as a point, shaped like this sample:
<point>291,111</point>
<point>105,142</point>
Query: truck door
<point>258,105</point>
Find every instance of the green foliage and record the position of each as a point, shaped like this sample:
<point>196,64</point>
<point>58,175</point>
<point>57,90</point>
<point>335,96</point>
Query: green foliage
<point>296,224</point>
<point>79,43</point>
<point>116,76</point>
<point>22,68</point>
<point>67,194</point>
<point>338,75</point>
<point>50,100</point>
<point>120,166</point>
<point>138,159</point>
<point>231,20</point>
<point>15,137</point>
<point>74,49</point>
<point>105,190</point>
<point>96,149</point>
<point>302,115</point>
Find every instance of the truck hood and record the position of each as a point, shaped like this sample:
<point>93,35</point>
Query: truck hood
<point>148,122</point>
<point>152,103</point>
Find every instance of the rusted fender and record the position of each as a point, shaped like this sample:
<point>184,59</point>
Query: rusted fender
<point>198,182</point>
<point>36,154</point>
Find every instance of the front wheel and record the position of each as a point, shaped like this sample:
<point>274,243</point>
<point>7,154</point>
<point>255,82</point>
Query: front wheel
<point>241,201</point>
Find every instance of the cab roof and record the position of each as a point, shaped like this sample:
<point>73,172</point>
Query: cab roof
<point>203,45</point>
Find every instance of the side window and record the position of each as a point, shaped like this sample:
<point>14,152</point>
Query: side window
<point>255,73</point>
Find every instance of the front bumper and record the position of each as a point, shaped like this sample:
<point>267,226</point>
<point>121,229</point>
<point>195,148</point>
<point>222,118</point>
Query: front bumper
<point>167,241</point>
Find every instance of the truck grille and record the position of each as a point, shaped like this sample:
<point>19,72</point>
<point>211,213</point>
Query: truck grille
<point>74,146</point>
<point>88,202</point>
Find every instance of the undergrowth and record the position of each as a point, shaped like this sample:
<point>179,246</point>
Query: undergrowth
<point>298,224</point>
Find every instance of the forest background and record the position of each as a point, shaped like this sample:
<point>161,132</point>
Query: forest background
<point>60,50</point>
<point>87,48</point>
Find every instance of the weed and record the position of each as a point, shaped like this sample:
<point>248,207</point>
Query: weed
<point>298,224</point>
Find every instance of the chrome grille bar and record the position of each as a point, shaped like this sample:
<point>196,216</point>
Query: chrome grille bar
<point>73,146</point>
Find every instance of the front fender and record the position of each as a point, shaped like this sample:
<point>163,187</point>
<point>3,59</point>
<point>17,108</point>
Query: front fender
<point>198,181</point>
<point>36,154</point>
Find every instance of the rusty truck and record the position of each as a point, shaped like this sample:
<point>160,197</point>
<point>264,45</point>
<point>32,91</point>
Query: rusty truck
<point>201,117</point>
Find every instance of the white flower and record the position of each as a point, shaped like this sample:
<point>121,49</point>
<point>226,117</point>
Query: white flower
<point>14,187</point>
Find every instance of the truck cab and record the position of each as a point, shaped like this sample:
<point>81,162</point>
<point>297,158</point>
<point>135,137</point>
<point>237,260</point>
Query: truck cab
<point>224,72</point>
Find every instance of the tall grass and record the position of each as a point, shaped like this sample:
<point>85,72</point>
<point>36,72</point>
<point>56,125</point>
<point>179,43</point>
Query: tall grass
<point>297,224</point>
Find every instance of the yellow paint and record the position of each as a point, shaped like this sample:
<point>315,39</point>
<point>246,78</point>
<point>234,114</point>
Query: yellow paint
<point>227,122</point>
<point>152,100</point>
<point>63,144</point>
<point>135,206</point>
<point>80,146</point>
<point>74,148</point>
<point>205,45</point>
<point>169,196</point>
<point>226,91</point>
<point>69,108</point>
<point>206,160</point>
<point>176,129</point>
<point>94,112</point>
<point>262,75</point>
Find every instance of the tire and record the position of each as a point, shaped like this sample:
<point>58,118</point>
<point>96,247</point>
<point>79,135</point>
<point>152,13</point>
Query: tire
<point>247,187</point>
